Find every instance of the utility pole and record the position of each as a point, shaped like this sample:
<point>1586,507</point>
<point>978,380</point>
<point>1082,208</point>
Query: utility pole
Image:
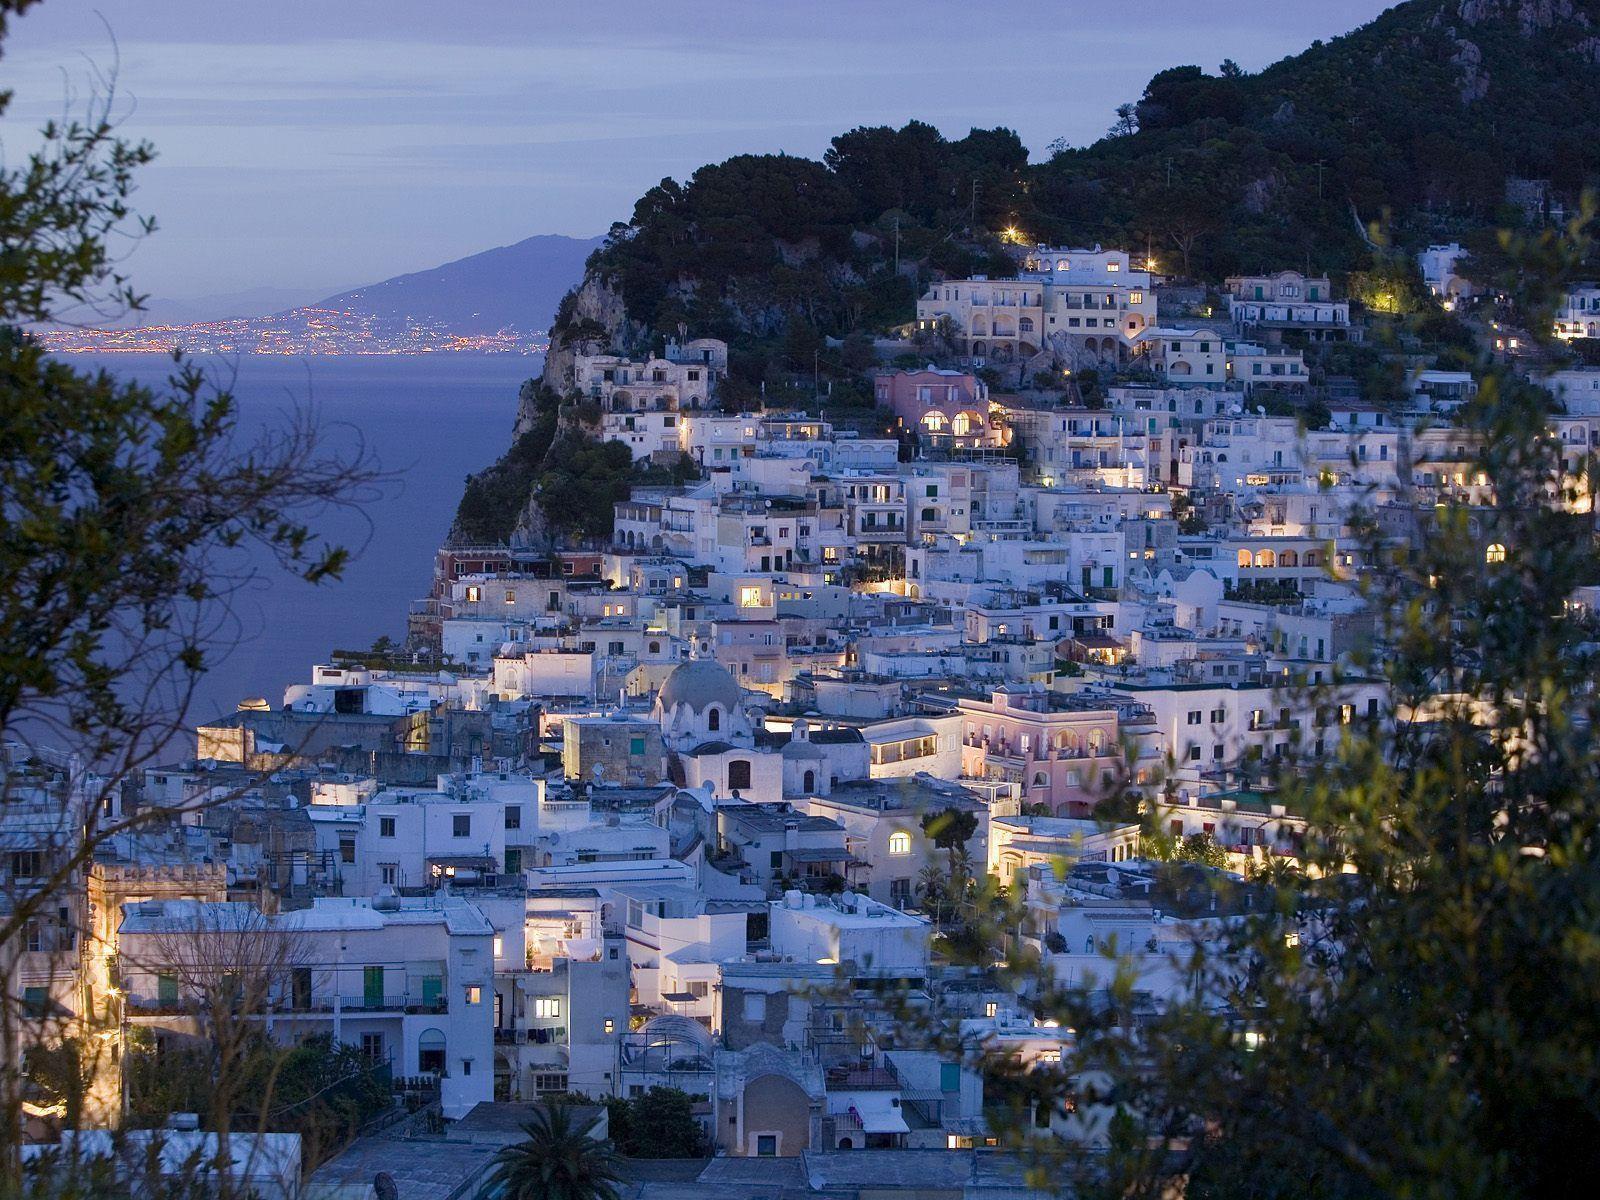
<point>816,373</point>
<point>897,243</point>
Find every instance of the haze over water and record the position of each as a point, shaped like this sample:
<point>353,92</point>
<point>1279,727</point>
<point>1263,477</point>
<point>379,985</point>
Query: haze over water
<point>429,420</point>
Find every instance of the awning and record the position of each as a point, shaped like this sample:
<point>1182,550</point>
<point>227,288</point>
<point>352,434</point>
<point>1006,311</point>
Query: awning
<point>878,1112</point>
<point>680,997</point>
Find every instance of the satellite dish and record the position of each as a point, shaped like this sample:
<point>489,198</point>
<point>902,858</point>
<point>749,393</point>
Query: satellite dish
<point>383,1187</point>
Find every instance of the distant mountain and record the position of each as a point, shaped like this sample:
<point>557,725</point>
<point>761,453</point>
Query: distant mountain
<point>516,287</point>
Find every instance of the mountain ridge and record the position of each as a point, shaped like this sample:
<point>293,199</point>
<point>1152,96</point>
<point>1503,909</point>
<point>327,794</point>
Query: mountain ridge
<point>517,286</point>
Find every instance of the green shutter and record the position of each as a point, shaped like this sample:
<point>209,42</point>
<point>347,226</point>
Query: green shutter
<point>432,989</point>
<point>372,986</point>
<point>513,860</point>
<point>167,989</point>
<point>949,1077</point>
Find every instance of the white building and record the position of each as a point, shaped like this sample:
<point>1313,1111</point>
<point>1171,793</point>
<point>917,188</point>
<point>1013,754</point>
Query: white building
<point>409,981</point>
<point>1084,306</point>
<point>1438,264</point>
<point>1578,315</point>
<point>876,939</point>
<point>1268,306</point>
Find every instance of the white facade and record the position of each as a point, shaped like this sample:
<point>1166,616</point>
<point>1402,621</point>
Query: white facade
<point>410,982</point>
<point>878,939</point>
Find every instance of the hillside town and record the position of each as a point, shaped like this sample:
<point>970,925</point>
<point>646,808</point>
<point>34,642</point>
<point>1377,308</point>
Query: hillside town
<point>677,811</point>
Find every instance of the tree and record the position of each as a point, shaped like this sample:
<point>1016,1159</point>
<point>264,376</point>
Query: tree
<point>582,483</point>
<point>229,964</point>
<point>1201,848</point>
<point>556,1161</point>
<point>857,353</point>
<point>130,517</point>
<point>659,1123</point>
<point>933,890</point>
<point>1126,124</point>
<point>950,829</point>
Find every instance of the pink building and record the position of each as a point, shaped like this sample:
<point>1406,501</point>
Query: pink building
<point>942,406</point>
<point>1057,746</point>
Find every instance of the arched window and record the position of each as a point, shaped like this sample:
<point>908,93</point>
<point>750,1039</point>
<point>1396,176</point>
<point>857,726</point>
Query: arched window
<point>1244,558</point>
<point>431,1052</point>
<point>962,425</point>
<point>809,782</point>
<point>1040,779</point>
<point>1266,558</point>
<point>933,422</point>
<point>1496,553</point>
<point>899,842</point>
<point>713,718</point>
<point>739,774</point>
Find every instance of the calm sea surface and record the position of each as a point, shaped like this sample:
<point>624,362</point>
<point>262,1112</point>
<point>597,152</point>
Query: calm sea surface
<point>430,420</point>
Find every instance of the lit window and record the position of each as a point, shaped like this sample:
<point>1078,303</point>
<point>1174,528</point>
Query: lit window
<point>511,596</point>
<point>1135,297</point>
<point>610,1025</point>
<point>1496,553</point>
<point>499,946</point>
<point>750,597</point>
<point>474,994</point>
<point>547,1006</point>
<point>474,594</point>
<point>900,842</point>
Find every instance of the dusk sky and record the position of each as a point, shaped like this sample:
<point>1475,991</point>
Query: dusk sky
<point>320,144</point>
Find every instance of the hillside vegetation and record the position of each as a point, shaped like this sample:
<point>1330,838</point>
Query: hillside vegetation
<point>1423,120</point>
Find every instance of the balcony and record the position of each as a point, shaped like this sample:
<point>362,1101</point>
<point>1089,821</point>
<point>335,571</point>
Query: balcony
<point>409,1002</point>
<point>538,1036</point>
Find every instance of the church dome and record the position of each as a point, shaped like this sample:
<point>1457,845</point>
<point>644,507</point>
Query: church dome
<point>700,683</point>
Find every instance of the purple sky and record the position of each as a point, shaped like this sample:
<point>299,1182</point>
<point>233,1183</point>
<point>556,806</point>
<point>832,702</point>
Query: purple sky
<point>319,144</point>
